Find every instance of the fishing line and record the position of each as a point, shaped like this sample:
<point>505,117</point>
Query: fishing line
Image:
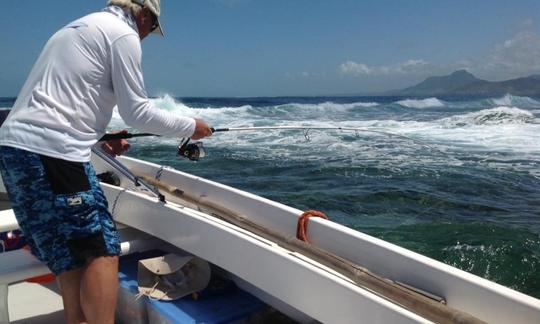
<point>306,130</point>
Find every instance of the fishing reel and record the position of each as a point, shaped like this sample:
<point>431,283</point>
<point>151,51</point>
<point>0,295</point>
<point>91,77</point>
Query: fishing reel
<point>191,151</point>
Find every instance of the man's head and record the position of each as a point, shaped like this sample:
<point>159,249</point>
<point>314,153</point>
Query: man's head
<point>146,14</point>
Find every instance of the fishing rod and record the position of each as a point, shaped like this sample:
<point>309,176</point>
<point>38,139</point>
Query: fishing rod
<point>109,137</point>
<point>195,151</point>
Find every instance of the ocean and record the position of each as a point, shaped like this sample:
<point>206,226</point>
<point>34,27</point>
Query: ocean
<point>455,179</point>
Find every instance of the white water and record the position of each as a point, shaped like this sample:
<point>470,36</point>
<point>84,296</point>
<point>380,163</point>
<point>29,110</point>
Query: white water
<point>497,130</point>
<point>510,100</point>
<point>330,106</point>
<point>421,103</point>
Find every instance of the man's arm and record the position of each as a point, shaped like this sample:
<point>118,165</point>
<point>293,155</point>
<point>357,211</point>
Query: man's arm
<point>133,104</point>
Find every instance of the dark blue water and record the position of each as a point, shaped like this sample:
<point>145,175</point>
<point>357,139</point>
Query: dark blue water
<point>456,179</point>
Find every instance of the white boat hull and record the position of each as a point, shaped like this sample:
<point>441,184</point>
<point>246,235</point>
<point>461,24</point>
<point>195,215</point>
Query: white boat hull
<point>309,287</point>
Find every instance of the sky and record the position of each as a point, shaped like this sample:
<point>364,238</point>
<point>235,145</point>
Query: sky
<point>248,48</point>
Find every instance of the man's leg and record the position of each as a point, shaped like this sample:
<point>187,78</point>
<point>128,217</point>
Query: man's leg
<point>62,198</point>
<point>99,289</point>
<point>69,283</point>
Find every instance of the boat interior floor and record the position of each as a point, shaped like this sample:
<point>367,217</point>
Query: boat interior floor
<point>45,299</point>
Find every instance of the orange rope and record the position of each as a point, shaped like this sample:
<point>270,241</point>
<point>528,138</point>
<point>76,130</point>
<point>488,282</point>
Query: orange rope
<point>301,228</point>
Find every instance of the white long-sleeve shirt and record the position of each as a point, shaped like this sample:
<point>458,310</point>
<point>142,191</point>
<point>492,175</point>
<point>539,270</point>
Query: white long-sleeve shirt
<point>85,69</point>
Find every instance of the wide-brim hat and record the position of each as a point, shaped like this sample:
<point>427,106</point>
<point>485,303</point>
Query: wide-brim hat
<point>155,7</point>
<point>172,276</point>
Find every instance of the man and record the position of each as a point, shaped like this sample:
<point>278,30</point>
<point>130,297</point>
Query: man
<point>84,70</point>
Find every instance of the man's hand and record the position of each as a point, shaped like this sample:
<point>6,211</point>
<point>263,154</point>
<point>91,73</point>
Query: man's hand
<point>116,147</point>
<point>201,129</point>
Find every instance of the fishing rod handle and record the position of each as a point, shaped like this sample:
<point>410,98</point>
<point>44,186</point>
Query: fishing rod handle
<point>110,137</point>
<point>214,130</point>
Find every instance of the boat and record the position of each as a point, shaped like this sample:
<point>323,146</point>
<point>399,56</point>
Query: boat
<point>337,275</point>
<point>274,272</point>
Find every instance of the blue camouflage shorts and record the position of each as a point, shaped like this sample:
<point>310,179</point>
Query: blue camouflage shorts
<point>60,208</point>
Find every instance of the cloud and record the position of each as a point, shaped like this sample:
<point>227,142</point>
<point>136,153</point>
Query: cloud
<point>305,75</point>
<point>361,69</point>
<point>518,55</point>
<point>353,68</point>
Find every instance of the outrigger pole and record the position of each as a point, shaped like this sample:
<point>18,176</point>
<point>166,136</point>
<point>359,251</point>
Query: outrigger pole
<point>125,171</point>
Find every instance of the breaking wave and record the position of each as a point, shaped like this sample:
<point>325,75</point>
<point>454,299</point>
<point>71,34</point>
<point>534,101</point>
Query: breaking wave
<point>253,115</point>
<point>331,105</point>
<point>494,116</point>
<point>421,103</point>
<point>514,101</point>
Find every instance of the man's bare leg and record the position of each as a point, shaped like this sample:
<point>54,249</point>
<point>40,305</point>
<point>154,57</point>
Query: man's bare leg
<point>70,286</point>
<point>99,290</point>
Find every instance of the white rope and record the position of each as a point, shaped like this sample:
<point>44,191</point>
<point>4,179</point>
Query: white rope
<point>142,293</point>
<point>113,209</point>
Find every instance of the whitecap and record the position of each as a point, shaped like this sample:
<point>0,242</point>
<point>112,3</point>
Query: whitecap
<point>421,103</point>
<point>493,116</point>
<point>328,106</point>
<point>212,115</point>
<point>510,100</point>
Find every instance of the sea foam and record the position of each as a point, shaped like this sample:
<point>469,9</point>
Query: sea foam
<point>510,100</point>
<point>421,103</point>
<point>494,116</point>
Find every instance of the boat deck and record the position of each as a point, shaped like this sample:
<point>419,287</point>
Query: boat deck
<point>32,303</point>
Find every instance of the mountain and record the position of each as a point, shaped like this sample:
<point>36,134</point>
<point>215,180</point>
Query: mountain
<point>463,83</point>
